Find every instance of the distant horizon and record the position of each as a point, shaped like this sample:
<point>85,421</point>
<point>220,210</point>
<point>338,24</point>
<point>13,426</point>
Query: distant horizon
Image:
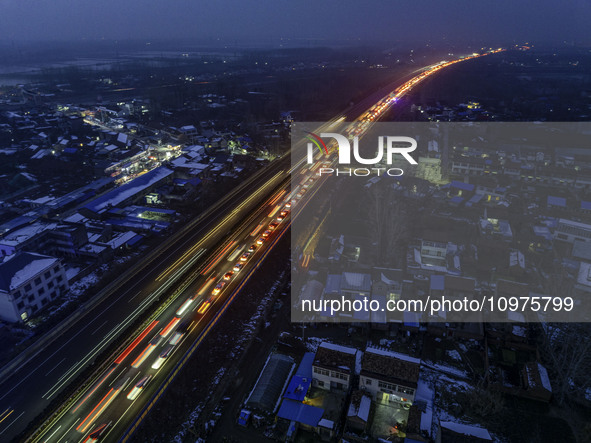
<point>265,44</point>
<point>461,21</point>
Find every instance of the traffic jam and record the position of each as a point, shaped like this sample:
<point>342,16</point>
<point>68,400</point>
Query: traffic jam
<point>167,340</point>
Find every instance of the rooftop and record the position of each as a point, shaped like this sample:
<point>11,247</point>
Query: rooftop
<point>128,190</point>
<point>335,356</point>
<point>391,365</point>
<point>22,267</point>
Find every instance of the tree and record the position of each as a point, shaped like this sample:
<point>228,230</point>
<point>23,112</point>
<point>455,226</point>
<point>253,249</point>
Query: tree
<point>388,221</point>
<point>567,348</point>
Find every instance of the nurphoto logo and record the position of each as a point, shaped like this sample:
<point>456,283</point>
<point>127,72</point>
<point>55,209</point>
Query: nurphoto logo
<point>388,145</point>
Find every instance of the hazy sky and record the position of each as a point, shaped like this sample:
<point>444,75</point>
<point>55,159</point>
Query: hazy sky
<point>370,20</point>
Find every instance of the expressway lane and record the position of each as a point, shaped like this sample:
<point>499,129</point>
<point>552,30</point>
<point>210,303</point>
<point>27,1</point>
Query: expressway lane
<point>31,387</point>
<point>106,399</point>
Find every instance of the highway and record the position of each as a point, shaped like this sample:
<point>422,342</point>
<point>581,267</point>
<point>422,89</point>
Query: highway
<point>109,398</point>
<point>182,279</point>
<point>30,388</point>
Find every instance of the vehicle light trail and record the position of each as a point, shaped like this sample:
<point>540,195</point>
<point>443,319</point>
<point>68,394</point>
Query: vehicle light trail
<point>144,355</point>
<point>170,326</point>
<point>93,390</point>
<point>132,346</point>
<point>218,257</point>
<point>98,409</point>
<point>206,285</point>
<point>277,197</point>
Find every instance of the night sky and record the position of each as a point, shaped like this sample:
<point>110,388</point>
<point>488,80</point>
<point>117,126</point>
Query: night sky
<point>496,22</point>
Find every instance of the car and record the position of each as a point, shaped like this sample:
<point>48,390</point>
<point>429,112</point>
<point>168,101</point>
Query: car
<point>266,233</point>
<point>280,218</point>
<point>261,240</point>
<point>179,333</point>
<point>228,275</point>
<point>252,248</point>
<point>288,205</point>
<point>138,388</point>
<point>244,256</point>
<point>98,433</point>
<point>162,357</point>
<point>238,267</point>
<point>218,288</point>
<point>273,226</point>
<point>204,307</point>
<point>284,212</point>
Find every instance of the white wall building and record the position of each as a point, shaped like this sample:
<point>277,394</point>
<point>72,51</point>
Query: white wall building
<point>334,366</point>
<point>29,281</point>
<point>569,231</point>
<point>389,376</point>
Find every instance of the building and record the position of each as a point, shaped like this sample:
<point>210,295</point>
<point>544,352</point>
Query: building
<point>536,381</point>
<point>452,432</point>
<point>358,412</point>
<point>433,250</point>
<point>569,231</point>
<point>333,366</point>
<point>29,237</point>
<point>355,284</point>
<point>128,193</point>
<point>268,388</point>
<point>389,376</point>
<point>452,287</point>
<point>29,281</point>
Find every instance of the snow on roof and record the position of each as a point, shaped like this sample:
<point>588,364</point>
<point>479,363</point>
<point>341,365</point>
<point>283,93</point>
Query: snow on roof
<point>40,200</point>
<point>25,233</point>
<point>22,267</point>
<point>121,239</point>
<point>338,348</point>
<point>76,217</point>
<point>393,354</point>
<point>187,128</point>
<point>556,201</point>
<point>359,406</point>
<point>333,284</point>
<point>28,176</point>
<point>356,280</point>
<point>182,162</point>
<point>129,189</point>
<point>92,247</point>
<point>387,280</point>
<point>532,381</point>
<point>469,430</point>
<point>340,358</point>
<point>40,154</point>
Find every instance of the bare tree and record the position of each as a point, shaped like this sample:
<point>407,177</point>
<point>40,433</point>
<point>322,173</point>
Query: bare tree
<point>388,223</point>
<point>568,350</point>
